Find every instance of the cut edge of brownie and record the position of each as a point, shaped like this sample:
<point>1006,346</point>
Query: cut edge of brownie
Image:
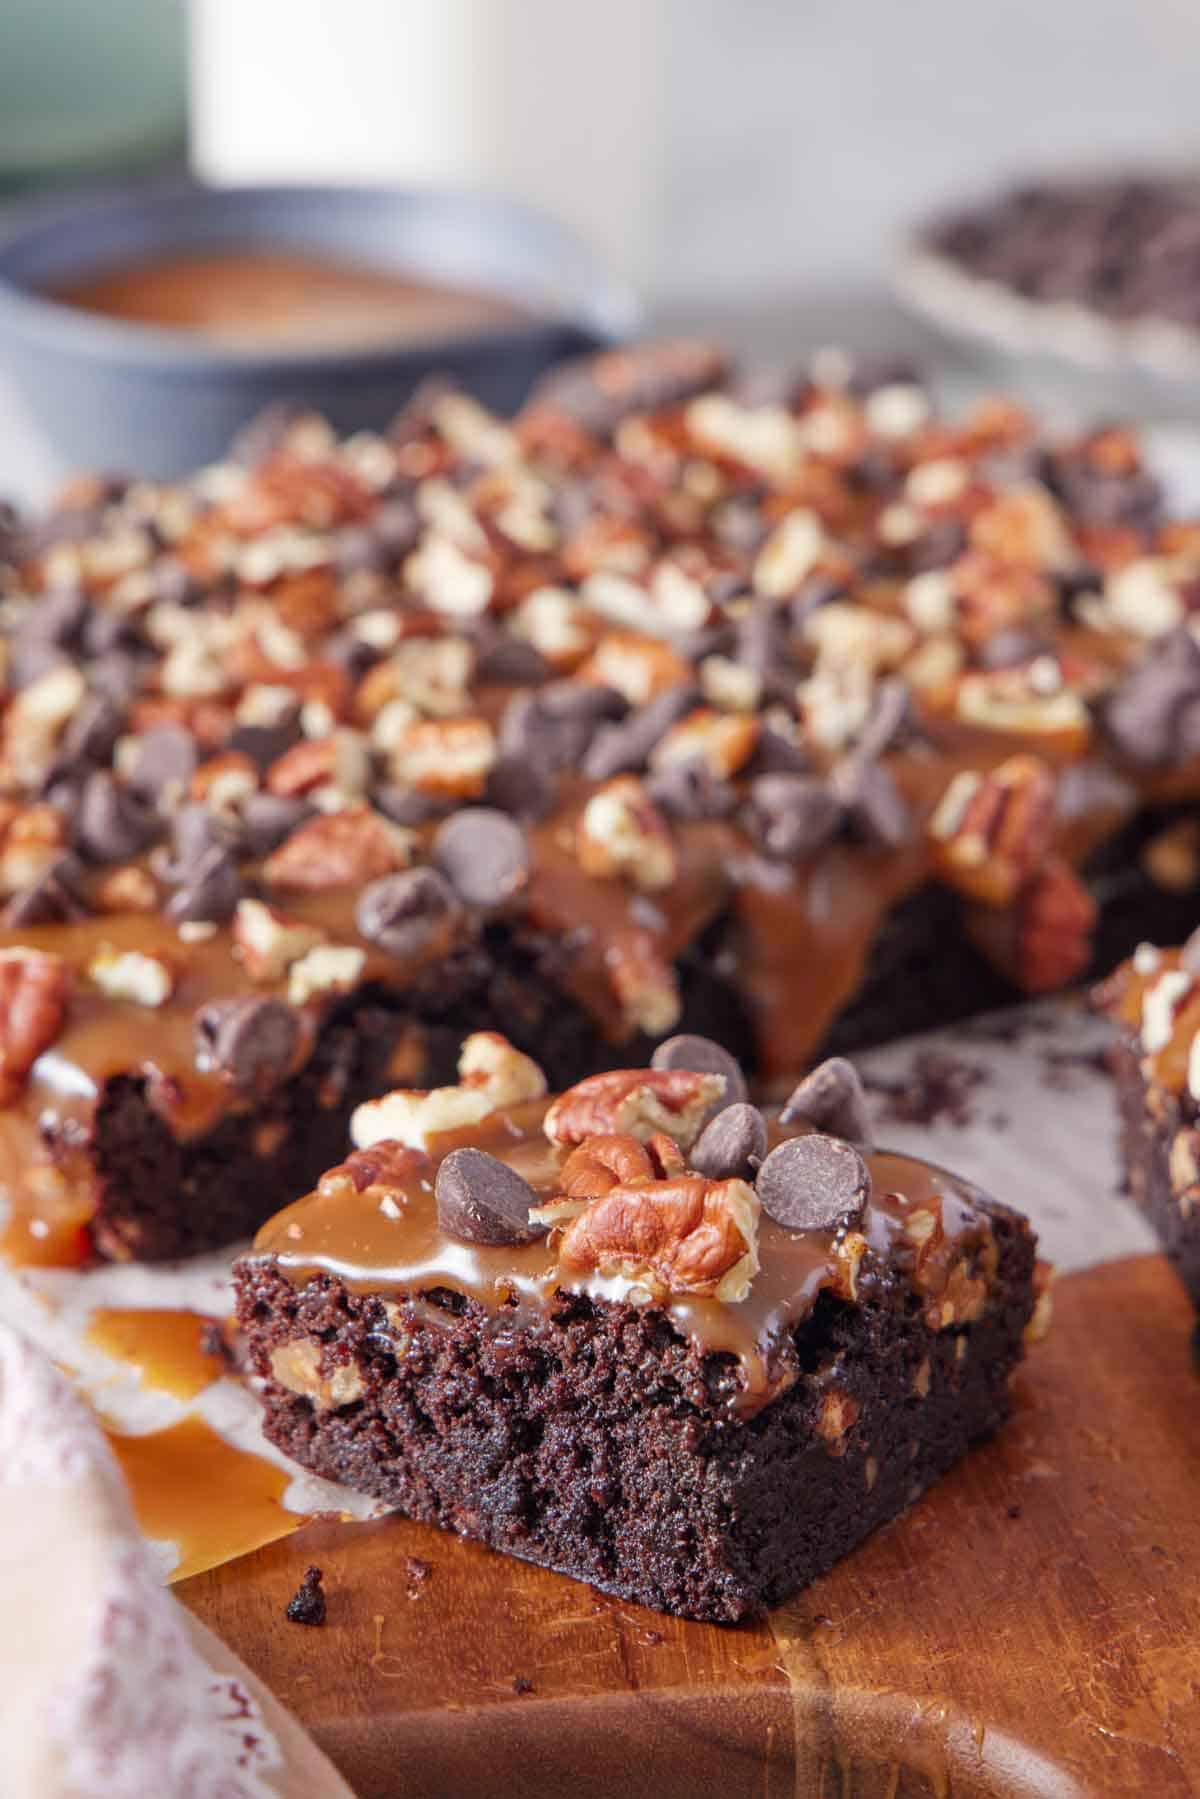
<point>1147,1138</point>
<point>600,1442</point>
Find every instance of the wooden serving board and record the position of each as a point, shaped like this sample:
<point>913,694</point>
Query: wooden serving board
<point>1030,1628</point>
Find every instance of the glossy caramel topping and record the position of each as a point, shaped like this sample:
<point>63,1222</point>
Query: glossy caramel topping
<point>399,1251</point>
<point>1157,999</point>
<point>240,295</point>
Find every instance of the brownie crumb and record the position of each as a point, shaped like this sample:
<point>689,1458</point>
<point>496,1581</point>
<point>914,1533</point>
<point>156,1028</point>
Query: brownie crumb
<point>936,1089</point>
<point>307,1604</point>
<point>1063,1066</point>
<point>521,1685</point>
<point>1014,1511</point>
<point>214,1342</point>
<point>417,1572</point>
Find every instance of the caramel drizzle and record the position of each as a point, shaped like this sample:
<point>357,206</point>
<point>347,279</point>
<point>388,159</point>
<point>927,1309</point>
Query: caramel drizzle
<point>345,1234</point>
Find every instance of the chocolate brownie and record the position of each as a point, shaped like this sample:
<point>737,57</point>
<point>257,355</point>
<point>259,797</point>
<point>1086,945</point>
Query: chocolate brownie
<point>638,1333</point>
<point>1154,1000</point>
<point>780,711</point>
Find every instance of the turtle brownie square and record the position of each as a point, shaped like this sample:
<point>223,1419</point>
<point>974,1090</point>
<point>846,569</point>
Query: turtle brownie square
<point>640,1332</point>
<point>1154,1001</point>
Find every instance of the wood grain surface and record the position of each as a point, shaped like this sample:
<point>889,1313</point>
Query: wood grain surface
<point>1029,1630</point>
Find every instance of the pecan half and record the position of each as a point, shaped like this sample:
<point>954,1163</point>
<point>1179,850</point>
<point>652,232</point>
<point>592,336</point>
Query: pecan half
<point>990,832</point>
<point>34,987</point>
<point>1044,940</point>
<point>684,1235</point>
<point>634,1102</point>
<point>613,1159</point>
<point>339,849</point>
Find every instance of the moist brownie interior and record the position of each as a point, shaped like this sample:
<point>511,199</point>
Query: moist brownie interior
<point>784,711</point>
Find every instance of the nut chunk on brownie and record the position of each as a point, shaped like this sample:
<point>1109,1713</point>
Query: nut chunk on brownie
<point>1155,1000</point>
<point>638,1333</point>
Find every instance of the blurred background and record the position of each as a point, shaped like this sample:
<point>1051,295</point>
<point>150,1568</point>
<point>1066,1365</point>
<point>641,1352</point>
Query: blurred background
<point>747,165</point>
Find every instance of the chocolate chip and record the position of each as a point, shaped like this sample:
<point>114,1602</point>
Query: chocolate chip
<point>408,806</point>
<point>888,722</point>
<point>523,788</point>
<point>942,543</point>
<point>701,1055</point>
<point>116,676</point>
<point>397,526</point>
<point>507,660</point>
<point>210,892</point>
<point>691,791</point>
<point>814,1184</point>
<point>483,855</point>
<point>793,816</point>
<point>265,744</point>
<point>112,824</point>
<point>1143,714</point>
<point>195,834</point>
<point>555,725</point>
<point>93,731</point>
<point>409,914</point>
<point>1010,648</point>
<point>832,1099</point>
<point>482,1200</point>
<point>54,898</point>
<point>623,748</point>
<point>739,524</point>
<point>876,811</point>
<point>307,1604</point>
<point>814,592</point>
<point>165,762</point>
<point>267,818</point>
<point>252,1042</point>
<point>358,550</point>
<point>732,1145</point>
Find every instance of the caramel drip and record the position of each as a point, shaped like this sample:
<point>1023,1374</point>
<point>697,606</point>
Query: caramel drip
<point>1168,1066</point>
<point>346,1234</point>
<point>192,1488</point>
<point>165,1347</point>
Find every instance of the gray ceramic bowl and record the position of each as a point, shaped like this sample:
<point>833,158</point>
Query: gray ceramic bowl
<point>118,396</point>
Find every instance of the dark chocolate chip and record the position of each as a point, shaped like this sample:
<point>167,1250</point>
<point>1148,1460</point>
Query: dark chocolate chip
<point>625,747</point>
<point>701,1055</point>
<point>195,834</point>
<point>112,824</point>
<point>888,722</point>
<point>116,676</point>
<point>483,855</point>
<point>265,744</point>
<point>252,1042</point>
<point>732,1145</point>
<point>832,1099</point>
<point>92,732</point>
<point>165,762</point>
<point>942,543</point>
<point>876,810</point>
<point>523,788</point>
<point>397,526</point>
<point>779,755</point>
<point>555,725</point>
<point>357,550</point>
<point>507,660</point>
<point>54,898</point>
<point>1010,648</point>
<point>267,818</point>
<point>1142,714</point>
<point>408,806</point>
<point>210,892</point>
<point>691,791</point>
<point>813,593</point>
<point>793,816</point>
<point>482,1200</point>
<point>409,914</point>
<point>307,1604</point>
<point>739,524</point>
<point>814,1184</point>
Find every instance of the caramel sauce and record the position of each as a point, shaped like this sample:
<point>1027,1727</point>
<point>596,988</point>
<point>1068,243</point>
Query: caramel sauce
<point>345,1233</point>
<point>243,296</point>
<point>164,1346</point>
<point>1168,1066</point>
<point>192,1488</point>
<point>804,935</point>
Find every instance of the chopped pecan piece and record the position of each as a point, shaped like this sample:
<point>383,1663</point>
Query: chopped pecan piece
<point>990,832</point>
<point>339,849</point>
<point>683,1235</point>
<point>622,832</point>
<point>34,987</point>
<point>611,1159</point>
<point>635,1102</point>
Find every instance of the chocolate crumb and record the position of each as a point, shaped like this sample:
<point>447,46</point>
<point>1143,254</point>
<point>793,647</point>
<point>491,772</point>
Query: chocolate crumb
<point>1014,1511</point>
<point>937,1089</point>
<point>214,1342</point>
<point>307,1604</point>
<point>417,1572</point>
<point>521,1685</point>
